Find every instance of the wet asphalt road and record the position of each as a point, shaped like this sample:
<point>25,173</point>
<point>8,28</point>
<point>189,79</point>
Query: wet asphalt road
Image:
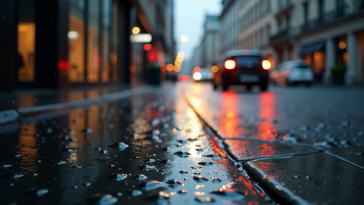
<point>301,145</point>
<point>306,141</point>
<point>68,159</point>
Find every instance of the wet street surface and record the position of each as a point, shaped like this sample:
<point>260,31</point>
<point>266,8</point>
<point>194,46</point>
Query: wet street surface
<point>300,144</point>
<point>147,149</point>
<point>288,145</point>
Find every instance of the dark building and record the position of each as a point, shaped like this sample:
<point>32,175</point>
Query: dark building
<point>73,43</point>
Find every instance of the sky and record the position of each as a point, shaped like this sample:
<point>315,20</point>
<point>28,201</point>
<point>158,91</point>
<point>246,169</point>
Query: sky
<point>188,20</point>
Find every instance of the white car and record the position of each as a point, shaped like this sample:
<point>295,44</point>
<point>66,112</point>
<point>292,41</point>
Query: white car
<point>292,73</point>
<point>204,75</point>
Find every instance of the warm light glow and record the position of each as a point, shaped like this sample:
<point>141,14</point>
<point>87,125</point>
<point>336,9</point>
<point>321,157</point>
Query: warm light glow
<point>342,45</point>
<point>169,67</point>
<point>180,58</point>
<point>73,35</point>
<point>177,63</point>
<point>184,38</point>
<point>183,78</point>
<point>196,69</point>
<point>230,115</point>
<point>266,65</point>
<point>141,38</point>
<point>23,28</point>
<point>148,47</point>
<point>177,69</point>
<point>229,64</point>
<point>136,30</point>
<point>214,69</point>
<point>197,76</point>
<point>181,53</point>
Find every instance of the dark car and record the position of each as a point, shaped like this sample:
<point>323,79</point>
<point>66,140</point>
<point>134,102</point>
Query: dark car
<point>242,67</point>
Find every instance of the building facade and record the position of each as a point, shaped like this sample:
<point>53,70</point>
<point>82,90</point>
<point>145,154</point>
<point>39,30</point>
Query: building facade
<point>322,32</point>
<point>196,59</point>
<point>73,43</point>
<point>228,33</point>
<point>206,53</point>
<point>210,43</point>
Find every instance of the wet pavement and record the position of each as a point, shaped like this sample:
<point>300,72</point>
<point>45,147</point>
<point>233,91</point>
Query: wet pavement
<point>30,98</point>
<point>146,149</point>
<point>307,143</point>
<point>314,179</point>
<point>288,146</point>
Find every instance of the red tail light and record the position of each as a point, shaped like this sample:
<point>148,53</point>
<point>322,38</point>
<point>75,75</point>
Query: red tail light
<point>230,64</point>
<point>266,65</point>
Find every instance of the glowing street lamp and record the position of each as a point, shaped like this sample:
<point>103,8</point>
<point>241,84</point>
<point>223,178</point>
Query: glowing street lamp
<point>181,53</point>
<point>184,38</point>
<point>136,30</point>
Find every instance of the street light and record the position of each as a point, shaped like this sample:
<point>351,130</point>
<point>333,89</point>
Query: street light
<point>184,38</point>
<point>136,30</point>
<point>181,53</point>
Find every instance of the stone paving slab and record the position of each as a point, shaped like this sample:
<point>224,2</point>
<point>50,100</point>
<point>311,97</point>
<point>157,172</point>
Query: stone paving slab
<point>247,150</point>
<point>68,170</point>
<point>315,179</point>
<point>352,154</point>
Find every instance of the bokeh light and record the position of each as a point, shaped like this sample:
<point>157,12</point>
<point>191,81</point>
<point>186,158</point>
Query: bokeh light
<point>169,67</point>
<point>136,30</point>
<point>214,69</point>
<point>184,38</point>
<point>177,69</point>
<point>181,53</point>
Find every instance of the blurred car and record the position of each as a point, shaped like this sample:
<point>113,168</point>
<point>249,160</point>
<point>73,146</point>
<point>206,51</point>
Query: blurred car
<point>292,72</point>
<point>242,67</point>
<point>203,75</point>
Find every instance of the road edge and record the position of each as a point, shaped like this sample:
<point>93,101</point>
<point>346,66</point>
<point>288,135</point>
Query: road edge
<point>280,195</point>
<point>12,115</point>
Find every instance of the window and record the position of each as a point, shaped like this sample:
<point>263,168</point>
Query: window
<point>288,21</point>
<point>267,5</point>
<point>280,24</point>
<point>26,41</point>
<point>76,42</point>
<point>280,4</point>
<point>261,7</point>
<point>262,37</point>
<point>267,32</point>
<point>106,21</point>
<point>305,13</point>
<point>93,58</point>
<point>320,8</point>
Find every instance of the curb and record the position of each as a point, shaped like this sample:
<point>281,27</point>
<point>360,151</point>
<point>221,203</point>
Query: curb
<point>12,115</point>
<point>280,196</point>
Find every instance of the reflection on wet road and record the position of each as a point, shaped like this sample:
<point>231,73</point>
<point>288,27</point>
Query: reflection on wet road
<point>146,149</point>
<point>292,141</point>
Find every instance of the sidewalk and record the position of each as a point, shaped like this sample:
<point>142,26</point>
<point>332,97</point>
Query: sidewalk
<point>148,148</point>
<point>30,98</point>
<point>37,102</point>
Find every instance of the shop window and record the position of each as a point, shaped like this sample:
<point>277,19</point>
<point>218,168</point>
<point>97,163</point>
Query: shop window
<point>26,41</point>
<point>106,22</point>
<point>76,40</point>
<point>318,61</point>
<point>93,54</point>
<point>341,50</point>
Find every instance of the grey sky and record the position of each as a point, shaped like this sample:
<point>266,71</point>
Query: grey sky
<point>189,19</point>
